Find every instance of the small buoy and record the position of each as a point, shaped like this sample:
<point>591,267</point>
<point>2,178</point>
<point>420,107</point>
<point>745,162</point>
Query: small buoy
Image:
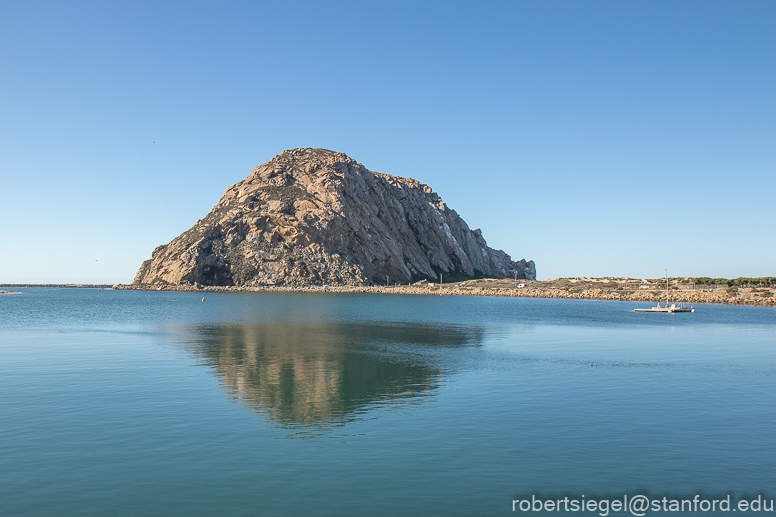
<point>203,298</point>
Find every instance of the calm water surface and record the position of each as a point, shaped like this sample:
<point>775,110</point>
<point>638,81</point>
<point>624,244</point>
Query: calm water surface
<point>154,403</point>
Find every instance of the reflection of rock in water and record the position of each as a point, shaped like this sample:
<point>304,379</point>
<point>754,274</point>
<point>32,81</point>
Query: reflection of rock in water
<point>312,374</point>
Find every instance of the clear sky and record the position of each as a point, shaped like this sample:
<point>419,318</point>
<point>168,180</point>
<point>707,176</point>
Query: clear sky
<point>597,138</point>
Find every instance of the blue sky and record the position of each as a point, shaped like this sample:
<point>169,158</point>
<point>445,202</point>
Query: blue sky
<point>596,138</point>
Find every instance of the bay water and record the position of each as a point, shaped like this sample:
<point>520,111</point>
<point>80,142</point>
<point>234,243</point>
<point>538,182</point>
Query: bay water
<point>157,403</point>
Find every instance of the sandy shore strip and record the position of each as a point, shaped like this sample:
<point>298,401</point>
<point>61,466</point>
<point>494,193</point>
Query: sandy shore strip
<point>587,289</point>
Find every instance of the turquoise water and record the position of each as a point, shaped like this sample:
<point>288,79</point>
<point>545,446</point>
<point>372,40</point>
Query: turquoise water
<point>154,403</point>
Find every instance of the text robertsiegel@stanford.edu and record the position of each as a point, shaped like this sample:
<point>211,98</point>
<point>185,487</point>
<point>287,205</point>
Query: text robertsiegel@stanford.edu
<point>640,505</point>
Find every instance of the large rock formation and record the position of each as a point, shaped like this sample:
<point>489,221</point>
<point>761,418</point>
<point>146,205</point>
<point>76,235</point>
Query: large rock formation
<point>312,217</point>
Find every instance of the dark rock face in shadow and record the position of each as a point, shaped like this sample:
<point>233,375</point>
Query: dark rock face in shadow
<point>319,375</point>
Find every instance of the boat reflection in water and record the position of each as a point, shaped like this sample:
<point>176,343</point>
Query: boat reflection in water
<point>314,376</point>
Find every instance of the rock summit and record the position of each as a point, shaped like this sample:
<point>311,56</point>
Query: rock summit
<point>317,217</point>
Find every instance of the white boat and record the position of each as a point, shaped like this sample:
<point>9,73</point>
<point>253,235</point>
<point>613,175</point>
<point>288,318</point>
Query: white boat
<point>667,308</point>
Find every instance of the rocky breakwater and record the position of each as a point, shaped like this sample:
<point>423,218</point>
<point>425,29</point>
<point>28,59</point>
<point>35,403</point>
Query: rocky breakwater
<point>317,217</point>
<point>492,288</point>
<point>606,289</point>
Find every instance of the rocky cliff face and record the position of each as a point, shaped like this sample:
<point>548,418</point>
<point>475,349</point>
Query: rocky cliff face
<point>312,217</point>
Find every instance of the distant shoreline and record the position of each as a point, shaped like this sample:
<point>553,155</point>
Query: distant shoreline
<point>80,286</point>
<point>582,289</point>
<point>587,289</point>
